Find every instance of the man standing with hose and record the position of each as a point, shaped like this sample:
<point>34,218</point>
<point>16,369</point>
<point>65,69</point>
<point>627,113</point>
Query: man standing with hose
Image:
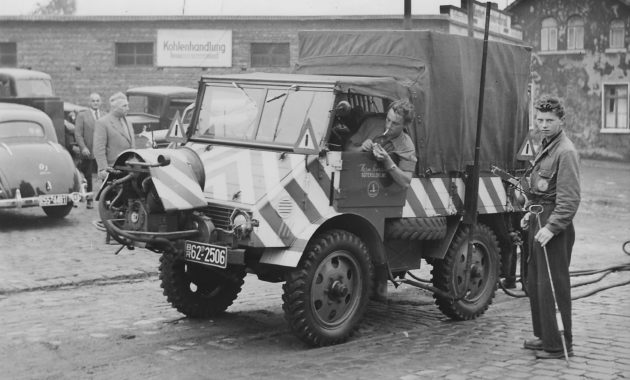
<point>554,185</point>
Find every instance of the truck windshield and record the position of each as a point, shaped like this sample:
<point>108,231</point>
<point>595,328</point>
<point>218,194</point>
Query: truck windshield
<point>272,115</point>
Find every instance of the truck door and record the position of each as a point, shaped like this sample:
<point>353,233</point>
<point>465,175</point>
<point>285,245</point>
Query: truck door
<point>364,182</point>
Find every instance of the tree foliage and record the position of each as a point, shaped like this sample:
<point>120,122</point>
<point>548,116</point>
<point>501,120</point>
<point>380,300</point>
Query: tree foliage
<point>56,7</point>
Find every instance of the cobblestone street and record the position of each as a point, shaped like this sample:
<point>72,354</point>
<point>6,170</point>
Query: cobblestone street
<point>70,308</point>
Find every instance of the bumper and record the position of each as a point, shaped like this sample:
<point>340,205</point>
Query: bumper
<point>19,202</point>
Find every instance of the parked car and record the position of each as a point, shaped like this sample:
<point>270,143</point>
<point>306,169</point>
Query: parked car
<point>35,89</point>
<point>152,109</point>
<point>35,170</point>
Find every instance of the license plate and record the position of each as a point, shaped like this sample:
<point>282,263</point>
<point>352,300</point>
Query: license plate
<point>206,254</point>
<point>53,200</point>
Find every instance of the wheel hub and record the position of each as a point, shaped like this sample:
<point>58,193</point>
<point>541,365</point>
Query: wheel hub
<point>338,290</point>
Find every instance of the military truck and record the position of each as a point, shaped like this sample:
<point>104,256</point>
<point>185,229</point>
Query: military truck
<point>263,185</point>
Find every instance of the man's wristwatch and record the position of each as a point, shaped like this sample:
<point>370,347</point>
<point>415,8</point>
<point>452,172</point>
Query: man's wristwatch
<point>392,167</point>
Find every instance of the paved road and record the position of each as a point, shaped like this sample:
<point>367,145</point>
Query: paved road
<point>66,299</point>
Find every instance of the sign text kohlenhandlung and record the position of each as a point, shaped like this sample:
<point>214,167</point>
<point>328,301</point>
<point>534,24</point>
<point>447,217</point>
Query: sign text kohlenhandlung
<point>194,48</point>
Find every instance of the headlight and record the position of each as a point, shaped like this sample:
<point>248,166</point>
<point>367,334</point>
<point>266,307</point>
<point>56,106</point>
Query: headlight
<point>242,223</point>
<point>240,220</point>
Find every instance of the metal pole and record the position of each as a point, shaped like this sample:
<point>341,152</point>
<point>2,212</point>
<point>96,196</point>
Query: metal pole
<point>407,19</point>
<point>472,192</point>
<point>471,17</point>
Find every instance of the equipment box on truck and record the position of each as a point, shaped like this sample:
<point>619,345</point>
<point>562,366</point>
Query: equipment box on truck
<point>264,186</point>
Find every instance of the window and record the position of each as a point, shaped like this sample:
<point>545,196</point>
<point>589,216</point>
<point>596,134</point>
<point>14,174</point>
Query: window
<point>134,53</point>
<point>549,35</point>
<point>615,107</point>
<point>270,54</point>
<point>20,128</point>
<point>575,33</point>
<point>8,54</point>
<point>617,34</point>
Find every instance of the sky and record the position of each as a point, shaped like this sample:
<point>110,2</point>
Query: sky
<point>238,7</point>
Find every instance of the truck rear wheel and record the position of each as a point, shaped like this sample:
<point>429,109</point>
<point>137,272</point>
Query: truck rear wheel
<point>196,291</point>
<point>416,228</point>
<point>449,276</point>
<point>326,296</point>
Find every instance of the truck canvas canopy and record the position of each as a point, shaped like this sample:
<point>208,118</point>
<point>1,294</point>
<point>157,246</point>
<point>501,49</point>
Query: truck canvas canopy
<point>441,75</point>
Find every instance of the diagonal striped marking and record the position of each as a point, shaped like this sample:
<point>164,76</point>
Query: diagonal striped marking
<point>277,224</point>
<point>302,201</point>
<point>442,192</point>
<point>180,183</point>
<point>414,196</point>
<point>496,190</point>
<point>317,170</point>
<point>485,201</point>
<point>170,199</point>
<point>266,234</point>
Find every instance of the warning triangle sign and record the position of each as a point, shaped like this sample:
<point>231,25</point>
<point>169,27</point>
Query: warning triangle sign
<point>176,131</point>
<point>307,142</point>
<point>527,151</point>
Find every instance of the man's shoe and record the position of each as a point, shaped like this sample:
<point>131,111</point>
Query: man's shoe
<point>89,204</point>
<point>553,354</point>
<point>533,344</point>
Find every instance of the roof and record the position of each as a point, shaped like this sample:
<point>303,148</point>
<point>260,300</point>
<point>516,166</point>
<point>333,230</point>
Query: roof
<point>13,111</point>
<point>165,90</point>
<point>106,19</point>
<point>516,3</point>
<point>23,73</point>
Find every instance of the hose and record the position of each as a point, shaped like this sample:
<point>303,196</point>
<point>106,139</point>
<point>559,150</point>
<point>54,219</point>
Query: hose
<point>579,273</point>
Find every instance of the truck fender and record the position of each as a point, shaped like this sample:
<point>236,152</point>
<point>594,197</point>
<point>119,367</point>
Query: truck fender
<point>179,183</point>
<point>436,249</point>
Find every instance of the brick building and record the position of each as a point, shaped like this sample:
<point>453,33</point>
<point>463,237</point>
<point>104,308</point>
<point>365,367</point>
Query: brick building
<point>581,55</point>
<point>113,53</point>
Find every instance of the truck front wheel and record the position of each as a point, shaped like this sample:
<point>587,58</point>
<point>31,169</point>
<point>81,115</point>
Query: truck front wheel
<point>449,274</point>
<point>326,296</point>
<point>197,291</point>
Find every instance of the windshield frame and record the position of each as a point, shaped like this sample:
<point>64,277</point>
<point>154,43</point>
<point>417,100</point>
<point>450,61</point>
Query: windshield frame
<point>267,88</point>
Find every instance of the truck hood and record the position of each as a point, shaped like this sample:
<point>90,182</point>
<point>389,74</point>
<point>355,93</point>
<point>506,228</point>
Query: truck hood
<point>37,168</point>
<point>245,176</point>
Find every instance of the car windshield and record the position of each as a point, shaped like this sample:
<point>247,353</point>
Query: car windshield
<point>20,129</point>
<point>260,114</point>
<point>146,104</point>
<point>33,88</point>
<point>177,105</point>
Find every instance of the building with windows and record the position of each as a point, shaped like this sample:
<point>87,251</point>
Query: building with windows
<point>106,54</point>
<point>580,50</point>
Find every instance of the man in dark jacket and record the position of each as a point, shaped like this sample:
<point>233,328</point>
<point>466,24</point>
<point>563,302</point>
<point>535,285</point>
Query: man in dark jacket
<point>555,186</point>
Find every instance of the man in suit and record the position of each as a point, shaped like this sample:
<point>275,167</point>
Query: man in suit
<point>112,134</point>
<point>84,136</point>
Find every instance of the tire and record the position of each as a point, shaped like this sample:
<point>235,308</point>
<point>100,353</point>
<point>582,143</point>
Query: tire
<point>326,296</point>
<point>196,291</point>
<point>58,212</point>
<point>416,228</point>
<point>448,274</point>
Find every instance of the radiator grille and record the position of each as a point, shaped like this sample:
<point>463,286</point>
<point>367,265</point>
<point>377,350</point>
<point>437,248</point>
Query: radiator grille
<point>220,215</point>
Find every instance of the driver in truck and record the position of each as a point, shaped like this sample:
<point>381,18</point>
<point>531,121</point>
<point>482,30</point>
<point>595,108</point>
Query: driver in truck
<point>388,141</point>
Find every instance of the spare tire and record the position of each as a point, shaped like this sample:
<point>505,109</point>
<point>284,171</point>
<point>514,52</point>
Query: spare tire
<point>416,228</point>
